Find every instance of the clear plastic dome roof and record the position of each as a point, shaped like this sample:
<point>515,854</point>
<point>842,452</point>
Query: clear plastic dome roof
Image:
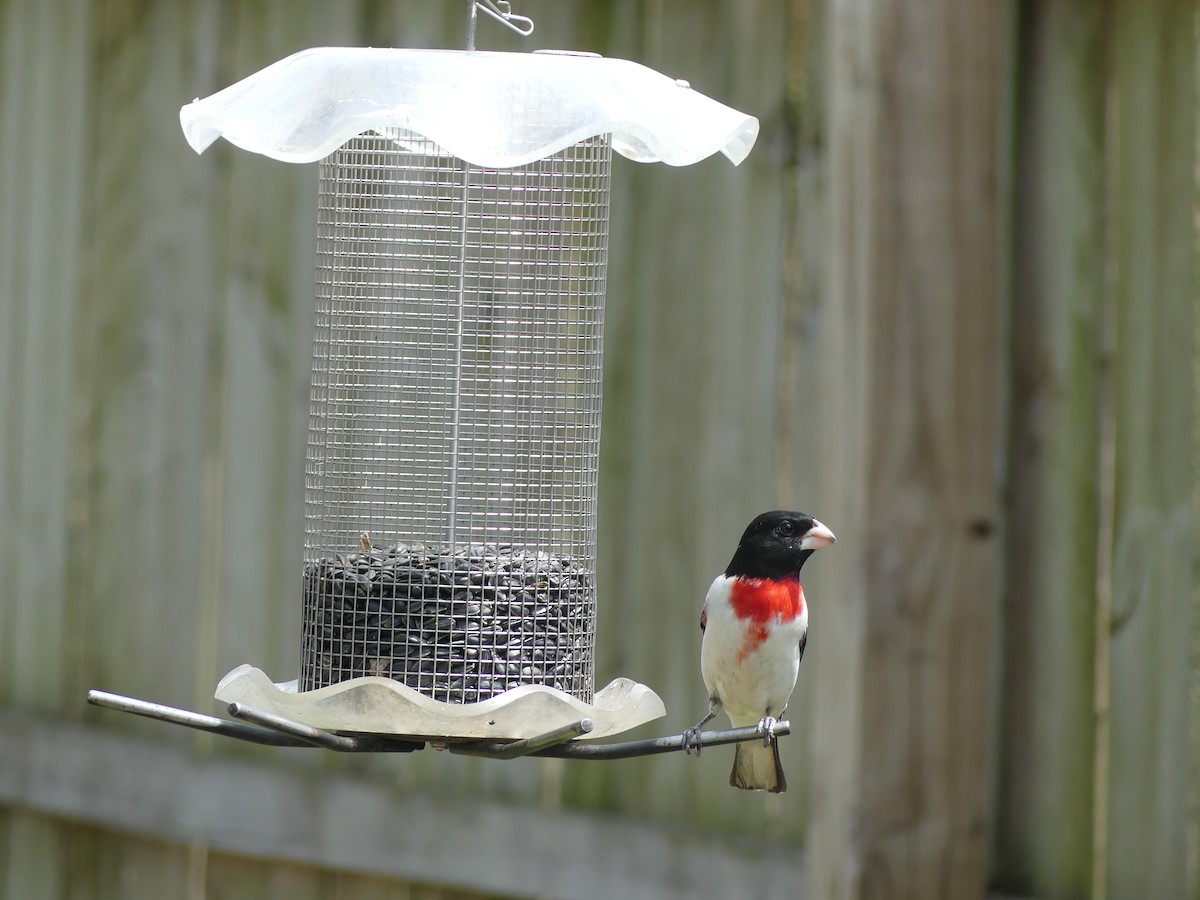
<point>489,108</point>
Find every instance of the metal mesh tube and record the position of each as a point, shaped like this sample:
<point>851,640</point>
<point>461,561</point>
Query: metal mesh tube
<point>455,419</point>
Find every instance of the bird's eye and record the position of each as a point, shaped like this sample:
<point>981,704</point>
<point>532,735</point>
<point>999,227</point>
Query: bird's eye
<point>785,528</point>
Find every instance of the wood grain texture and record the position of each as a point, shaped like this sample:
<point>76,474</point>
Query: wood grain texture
<point>41,189</point>
<point>1154,537</point>
<point>1043,798</point>
<point>905,684</point>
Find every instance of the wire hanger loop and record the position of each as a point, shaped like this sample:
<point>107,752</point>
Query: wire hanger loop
<point>501,11</point>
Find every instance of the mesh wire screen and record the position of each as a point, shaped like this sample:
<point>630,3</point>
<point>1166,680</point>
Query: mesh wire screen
<point>450,496</point>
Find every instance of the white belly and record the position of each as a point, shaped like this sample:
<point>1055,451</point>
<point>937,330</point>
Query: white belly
<point>750,684</point>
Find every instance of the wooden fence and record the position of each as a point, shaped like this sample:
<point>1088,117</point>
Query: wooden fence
<point>947,305</point>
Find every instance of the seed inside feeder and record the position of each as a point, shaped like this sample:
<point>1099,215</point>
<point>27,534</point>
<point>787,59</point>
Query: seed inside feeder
<point>459,624</point>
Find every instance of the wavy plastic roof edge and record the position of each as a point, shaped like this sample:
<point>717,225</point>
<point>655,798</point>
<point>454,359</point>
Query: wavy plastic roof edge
<point>490,108</point>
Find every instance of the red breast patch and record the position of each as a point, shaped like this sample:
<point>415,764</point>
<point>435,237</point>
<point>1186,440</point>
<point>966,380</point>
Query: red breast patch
<point>761,602</point>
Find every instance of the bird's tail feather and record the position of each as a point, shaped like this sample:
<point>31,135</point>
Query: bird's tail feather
<point>756,767</point>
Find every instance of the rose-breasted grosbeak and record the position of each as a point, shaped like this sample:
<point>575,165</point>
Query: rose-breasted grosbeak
<point>755,625</point>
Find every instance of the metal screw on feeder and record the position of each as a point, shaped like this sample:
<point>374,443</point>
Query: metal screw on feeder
<point>449,589</point>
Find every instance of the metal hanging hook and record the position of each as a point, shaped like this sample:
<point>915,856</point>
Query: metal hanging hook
<point>501,11</point>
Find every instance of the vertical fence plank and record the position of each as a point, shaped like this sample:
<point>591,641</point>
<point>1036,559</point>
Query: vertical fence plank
<point>1043,799</point>
<point>147,353</point>
<point>31,855</point>
<point>1154,537</point>
<point>41,180</point>
<point>903,684</point>
<point>836,868</point>
<point>101,863</point>
<point>800,415</point>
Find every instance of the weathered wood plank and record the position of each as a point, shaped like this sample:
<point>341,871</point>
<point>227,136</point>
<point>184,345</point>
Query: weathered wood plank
<point>800,468</point>
<point>1042,842</point>
<point>1154,537</point>
<point>279,812</point>
<point>41,188</point>
<point>98,864</point>
<point>902,691</point>
<point>31,851</point>
<point>147,385</point>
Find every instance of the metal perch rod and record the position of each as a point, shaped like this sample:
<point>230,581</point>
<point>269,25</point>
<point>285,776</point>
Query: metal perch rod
<point>192,719</point>
<point>291,734</point>
<point>279,731</point>
<point>667,744</point>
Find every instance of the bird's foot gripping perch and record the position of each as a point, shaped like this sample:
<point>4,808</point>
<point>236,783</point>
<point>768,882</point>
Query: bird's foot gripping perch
<point>691,736</point>
<point>766,727</point>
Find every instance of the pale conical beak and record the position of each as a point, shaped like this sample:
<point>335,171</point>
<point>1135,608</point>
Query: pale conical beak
<point>818,536</point>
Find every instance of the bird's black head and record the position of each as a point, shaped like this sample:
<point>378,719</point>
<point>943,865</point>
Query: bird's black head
<point>777,543</point>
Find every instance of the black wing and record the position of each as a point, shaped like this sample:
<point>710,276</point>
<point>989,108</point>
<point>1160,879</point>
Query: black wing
<point>803,643</point>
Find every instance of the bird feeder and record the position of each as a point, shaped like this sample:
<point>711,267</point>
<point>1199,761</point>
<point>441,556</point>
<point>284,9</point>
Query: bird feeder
<point>449,583</point>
